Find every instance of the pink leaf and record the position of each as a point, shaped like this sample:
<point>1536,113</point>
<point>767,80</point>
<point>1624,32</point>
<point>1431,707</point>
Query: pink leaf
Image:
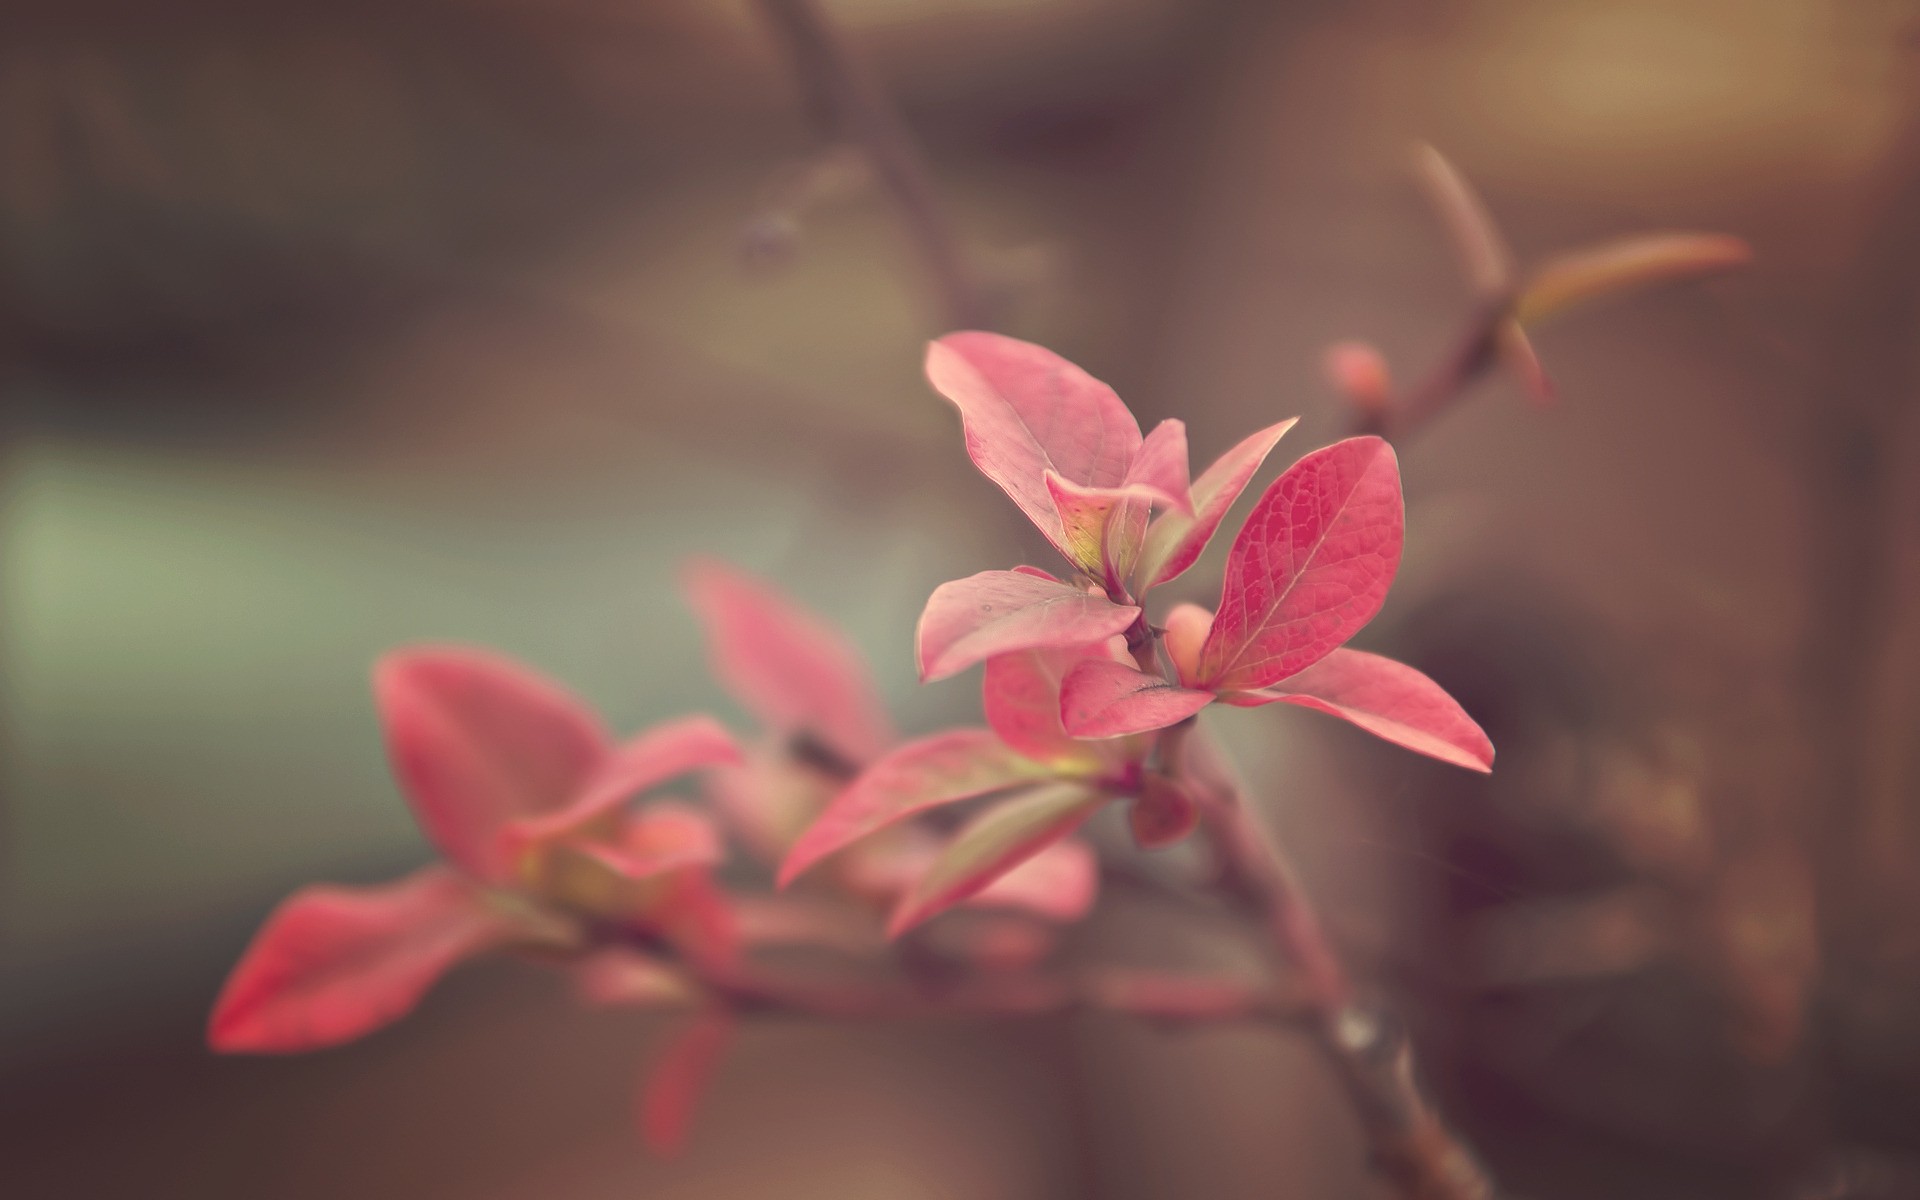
<point>786,666</point>
<point>1310,567</point>
<point>993,844</point>
<point>476,741</point>
<point>333,964</point>
<point>1388,699</point>
<point>999,612</point>
<point>650,759</point>
<point>1021,695</point>
<point>1027,411</point>
<point>1163,813</point>
<point>1059,883</point>
<point>1174,540</point>
<point>680,1078</point>
<point>922,774</point>
<point>1105,699</point>
<point>1160,468</point>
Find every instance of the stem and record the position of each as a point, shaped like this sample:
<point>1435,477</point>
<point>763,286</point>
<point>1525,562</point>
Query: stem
<point>1155,996</point>
<point>1472,354</point>
<point>1409,1141</point>
<point>849,103</point>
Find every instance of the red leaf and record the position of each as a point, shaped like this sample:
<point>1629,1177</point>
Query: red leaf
<point>477,741</point>
<point>332,964</point>
<point>1162,814</point>
<point>922,774</point>
<point>1021,695</point>
<point>648,760</point>
<point>998,612</point>
<point>680,1078</point>
<point>784,665</point>
<point>993,844</point>
<point>1027,411</point>
<point>1388,699</point>
<point>1175,540</point>
<point>1105,699</point>
<point>1311,566</point>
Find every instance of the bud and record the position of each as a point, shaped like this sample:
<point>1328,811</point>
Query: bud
<point>1163,813</point>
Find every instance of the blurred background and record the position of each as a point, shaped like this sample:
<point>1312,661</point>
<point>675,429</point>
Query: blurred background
<point>325,327</point>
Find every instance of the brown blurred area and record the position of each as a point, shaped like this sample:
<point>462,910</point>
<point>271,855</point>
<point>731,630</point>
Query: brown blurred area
<point>331,326</point>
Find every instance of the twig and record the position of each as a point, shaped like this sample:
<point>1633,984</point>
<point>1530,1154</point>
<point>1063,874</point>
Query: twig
<point>1149,995</point>
<point>850,105</point>
<point>1409,1141</point>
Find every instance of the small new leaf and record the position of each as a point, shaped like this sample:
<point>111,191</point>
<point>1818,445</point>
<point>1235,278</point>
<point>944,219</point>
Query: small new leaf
<point>1175,539</point>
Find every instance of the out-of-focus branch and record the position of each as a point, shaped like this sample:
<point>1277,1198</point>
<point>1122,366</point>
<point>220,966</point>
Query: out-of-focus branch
<point>1169,998</point>
<point>850,105</point>
<point>1507,303</point>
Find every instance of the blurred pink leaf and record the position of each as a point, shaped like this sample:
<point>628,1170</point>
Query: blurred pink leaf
<point>1104,699</point>
<point>920,775</point>
<point>1162,814</point>
<point>793,671</point>
<point>332,964</point>
<point>1174,539</point>
<point>667,750</point>
<point>1387,699</point>
<point>993,844</point>
<point>621,977</point>
<point>680,1077</point>
<point>1516,351</point>
<point>1028,411</point>
<point>1483,252</point>
<point>477,741</point>
<point>1311,566</point>
<point>1059,883</point>
<point>1637,261</point>
<point>999,612</point>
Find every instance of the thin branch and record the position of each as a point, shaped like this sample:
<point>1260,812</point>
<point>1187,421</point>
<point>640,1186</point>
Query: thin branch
<point>850,105</point>
<point>1409,1141</point>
